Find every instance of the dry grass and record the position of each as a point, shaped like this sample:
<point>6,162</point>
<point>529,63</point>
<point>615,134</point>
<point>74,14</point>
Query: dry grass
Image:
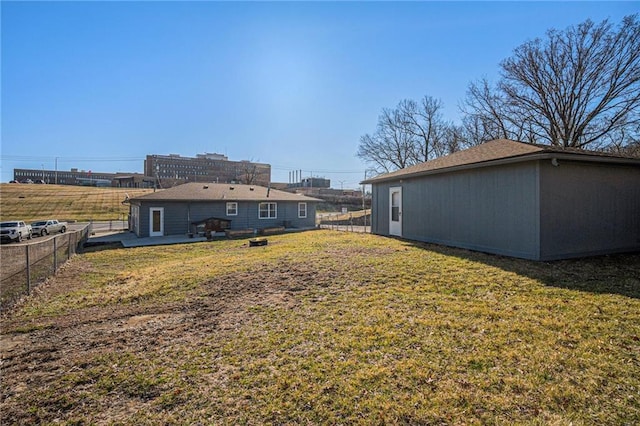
<point>325,328</point>
<point>64,202</point>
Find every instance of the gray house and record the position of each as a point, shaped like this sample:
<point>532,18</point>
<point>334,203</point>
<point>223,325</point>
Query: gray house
<point>515,199</point>
<point>177,210</point>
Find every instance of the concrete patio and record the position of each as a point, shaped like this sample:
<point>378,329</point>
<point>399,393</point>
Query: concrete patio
<point>129,239</point>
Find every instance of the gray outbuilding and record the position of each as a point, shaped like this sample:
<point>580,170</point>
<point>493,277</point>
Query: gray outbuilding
<point>516,199</point>
<point>178,209</point>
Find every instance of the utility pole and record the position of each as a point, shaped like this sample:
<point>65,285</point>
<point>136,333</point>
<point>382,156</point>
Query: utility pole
<point>364,207</point>
<point>158,185</point>
<point>56,178</point>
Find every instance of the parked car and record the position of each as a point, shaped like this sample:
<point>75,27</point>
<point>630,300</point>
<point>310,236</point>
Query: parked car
<point>14,231</point>
<point>46,227</point>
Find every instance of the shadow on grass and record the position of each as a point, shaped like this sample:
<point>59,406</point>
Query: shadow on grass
<point>93,247</point>
<point>608,274</point>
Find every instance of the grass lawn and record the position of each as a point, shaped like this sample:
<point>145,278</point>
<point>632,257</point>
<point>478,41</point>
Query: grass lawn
<point>64,202</point>
<point>324,327</point>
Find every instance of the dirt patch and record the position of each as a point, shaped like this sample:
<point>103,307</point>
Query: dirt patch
<point>141,320</point>
<point>9,343</point>
<point>37,354</point>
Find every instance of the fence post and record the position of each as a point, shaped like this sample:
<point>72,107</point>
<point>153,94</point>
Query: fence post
<point>69,245</point>
<point>55,254</point>
<point>26,249</point>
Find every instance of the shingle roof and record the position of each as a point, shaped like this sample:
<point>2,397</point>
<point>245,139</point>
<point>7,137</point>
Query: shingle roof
<point>198,191</point>
<point>499,149</point>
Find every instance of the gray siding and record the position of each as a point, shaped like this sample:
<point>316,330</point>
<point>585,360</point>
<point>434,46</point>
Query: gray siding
<point>247,217</point>
<point>179,215</point>
<point>175,218</point>
<point>380,209</point>
<point>492,209</point>
<point>588,209</point>
<point>143,217</point>
<point>175,221</point>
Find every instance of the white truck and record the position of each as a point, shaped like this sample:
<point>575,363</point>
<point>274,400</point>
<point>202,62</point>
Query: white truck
<point>46,227</point>
<point>14,230</point>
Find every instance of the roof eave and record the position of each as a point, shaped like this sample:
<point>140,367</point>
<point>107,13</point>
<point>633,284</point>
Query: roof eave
<point>210,200</point>
<point>510,160</point>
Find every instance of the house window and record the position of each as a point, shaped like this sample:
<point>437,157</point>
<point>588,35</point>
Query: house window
<point>302,210</point>
<point>268,211</point>
<point>232,209</point>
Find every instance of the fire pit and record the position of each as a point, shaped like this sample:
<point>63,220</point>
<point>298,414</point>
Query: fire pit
<point>255,242</point>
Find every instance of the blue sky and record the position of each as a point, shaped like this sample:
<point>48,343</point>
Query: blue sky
<point>99,85</point>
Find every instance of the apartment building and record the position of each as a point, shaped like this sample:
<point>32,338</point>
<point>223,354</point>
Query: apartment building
<point>173,169</point>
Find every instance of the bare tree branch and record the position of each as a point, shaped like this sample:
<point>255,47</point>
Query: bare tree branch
<point>577,85</point>
<point>574,88</point>
<point>408,134</point>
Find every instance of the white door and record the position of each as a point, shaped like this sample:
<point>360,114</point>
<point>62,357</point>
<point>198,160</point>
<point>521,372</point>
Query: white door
<point>395,211</point>
<point>156,221</point>
<point>134,220</point>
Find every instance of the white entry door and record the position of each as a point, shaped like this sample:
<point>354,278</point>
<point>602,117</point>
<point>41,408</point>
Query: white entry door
<point>134,219</point>
<point>156,221</point>
<point>395,211</point>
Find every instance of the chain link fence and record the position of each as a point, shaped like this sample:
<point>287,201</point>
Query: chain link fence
<point>27,265</point>
<point>355,221</point>
<point>113,225</point>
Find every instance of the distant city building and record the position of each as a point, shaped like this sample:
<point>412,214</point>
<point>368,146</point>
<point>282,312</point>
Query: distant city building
<point>132,180</point>
<point>83,178</point>
<point>351,198</point>
<point>173,169</point>
<point>311,182</point>
<point>210,156</point>
<point>319,188</point>
<point>161,171</point>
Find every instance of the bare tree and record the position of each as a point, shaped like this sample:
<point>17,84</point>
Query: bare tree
<point>487,115</point>
<point>248,172</point>
<point>474,130</point>
<point>411,133</point>
<point>571,89</point>
<point>455,139</point>
<point>424,122</point>
<point>390,147</point>
<point>622,142</point>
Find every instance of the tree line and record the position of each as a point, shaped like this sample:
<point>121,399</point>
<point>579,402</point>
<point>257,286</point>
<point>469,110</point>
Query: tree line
<point>578,88</point>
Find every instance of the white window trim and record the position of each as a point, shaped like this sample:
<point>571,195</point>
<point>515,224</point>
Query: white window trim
<point>305,210</point>
<point>160,232</point>
<point>269,210</point>
<point>236,208</point>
